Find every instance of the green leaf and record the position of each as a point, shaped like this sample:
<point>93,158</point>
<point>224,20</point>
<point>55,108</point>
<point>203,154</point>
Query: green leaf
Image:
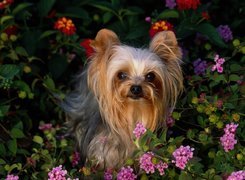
<point>49,83</point>
<point>44,6</point>
<point>168,14</point>
<point>235,67</point>
<point>20,7</point>
<point>2,162</point>
<point>6,18</point>
<point>3,110</point>
<point>107,17</point>
<point>234,77</point>
<point>2,150</point>
<point>12,55</point>
<point>210,31</point>
<point>21,85</point>
<point>38,139</point>
<point>229,106</point>
<point>76,12</point>
<point>185,176</point>
<point>219,78</point>
<point>8,71</point>
<point>21,51</point>
<point>12,146</point>
<point>16,133</point>
<point>47,33</point>
<point>104,6</point>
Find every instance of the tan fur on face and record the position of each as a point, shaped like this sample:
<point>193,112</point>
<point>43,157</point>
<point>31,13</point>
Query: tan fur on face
<point>119,111</point>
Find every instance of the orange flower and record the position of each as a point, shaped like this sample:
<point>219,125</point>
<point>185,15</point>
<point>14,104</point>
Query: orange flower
<point>65,25</point>
<point>160,26</point>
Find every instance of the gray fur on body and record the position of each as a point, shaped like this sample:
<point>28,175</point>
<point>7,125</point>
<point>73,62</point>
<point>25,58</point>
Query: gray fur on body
<point>83,114</point>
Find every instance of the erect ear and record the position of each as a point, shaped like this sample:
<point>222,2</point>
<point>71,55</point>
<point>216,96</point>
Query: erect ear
<point>165,45</point>
<point>104,40</point>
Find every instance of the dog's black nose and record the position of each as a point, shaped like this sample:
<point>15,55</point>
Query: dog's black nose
<point>136,90</point>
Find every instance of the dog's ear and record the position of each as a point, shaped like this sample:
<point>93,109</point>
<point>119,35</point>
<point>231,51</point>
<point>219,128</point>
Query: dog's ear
<point>165,45</point>
<point>104,40</point>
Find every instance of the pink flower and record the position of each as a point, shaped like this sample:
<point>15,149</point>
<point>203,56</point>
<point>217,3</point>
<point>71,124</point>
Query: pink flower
<point>170,121</point>
<point>161,167</point>
<point>148,19</point>
<point>57,173</point>
<point>182,155</point>
<point>108,174</point>
<point>238,175</point>
<point>228,139</point>
<point>45,127</point>
<point>231,128</point>
<point>219,62</point>
<point>12,177</point>
<point>75,158</point>
<point>126,174</point>
<point>139,130</point>
<point>146,162</point>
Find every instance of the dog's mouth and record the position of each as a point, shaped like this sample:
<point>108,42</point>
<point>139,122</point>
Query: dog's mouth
<point>135,97</point>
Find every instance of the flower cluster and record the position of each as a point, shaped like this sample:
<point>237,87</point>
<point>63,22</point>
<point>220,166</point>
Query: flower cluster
<point>238,175</point>
<point>182,155</point>
<point>225,32</point>
<point>126,174</point>
<point>228,139</point>
<point>57,173</point>
<point>187,4</point>
<point>5,3</point>
<point>75,158</point>
<point>161,166</point>
<point>146,164</point>
<point>108,174</point>
<point>65,25</point>
<point>86,45</point>
<point>12,177</point>
<point>199,66</point>
<point>139,130</point>
<point>160,26</point>
<point>219,64</point>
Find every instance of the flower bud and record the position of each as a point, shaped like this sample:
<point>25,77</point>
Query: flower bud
<point>4,36</point>
<point>236,42</point>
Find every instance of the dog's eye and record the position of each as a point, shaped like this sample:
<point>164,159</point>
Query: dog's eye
<point>122,75</point>
<point>150,77</point>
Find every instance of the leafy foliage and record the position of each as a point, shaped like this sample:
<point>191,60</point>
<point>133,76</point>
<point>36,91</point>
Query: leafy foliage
<point>37,63</point>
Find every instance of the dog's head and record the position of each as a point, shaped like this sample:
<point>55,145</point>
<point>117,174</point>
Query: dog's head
<point>130,82</point>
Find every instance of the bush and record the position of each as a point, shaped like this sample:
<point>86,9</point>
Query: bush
<point>43,44</point>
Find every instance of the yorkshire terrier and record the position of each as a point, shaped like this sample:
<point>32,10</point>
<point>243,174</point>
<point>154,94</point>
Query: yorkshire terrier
<point>121,87</point>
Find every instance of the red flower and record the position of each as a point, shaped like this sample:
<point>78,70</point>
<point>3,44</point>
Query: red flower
<point>5,3</point>
<point>205,15</point>
<point>65,25</point>
<point>86,45</point>
<point>160,26</point>
<point>187,4</point>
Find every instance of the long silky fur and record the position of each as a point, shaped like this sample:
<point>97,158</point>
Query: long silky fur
<point>83,115</point>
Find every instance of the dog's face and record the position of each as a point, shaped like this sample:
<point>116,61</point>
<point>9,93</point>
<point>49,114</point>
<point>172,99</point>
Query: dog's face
<point>135,75</point>
<point>132,83</point>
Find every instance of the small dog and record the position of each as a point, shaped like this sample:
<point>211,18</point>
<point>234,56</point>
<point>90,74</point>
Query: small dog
<point>120,87</point>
